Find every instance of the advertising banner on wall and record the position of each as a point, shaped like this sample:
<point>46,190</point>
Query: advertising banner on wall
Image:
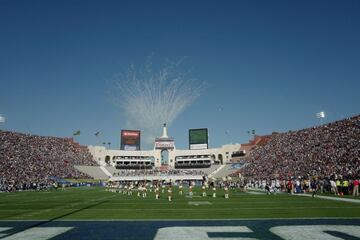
<point>164,143</point>
<point>198,139</point>
<point>130,140</point>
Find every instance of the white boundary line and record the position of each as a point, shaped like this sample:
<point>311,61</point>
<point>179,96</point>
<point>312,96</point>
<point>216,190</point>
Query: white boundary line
<point>330,198</point>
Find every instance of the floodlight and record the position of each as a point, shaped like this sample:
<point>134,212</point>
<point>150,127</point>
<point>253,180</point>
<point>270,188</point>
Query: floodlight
<point>320,114</point>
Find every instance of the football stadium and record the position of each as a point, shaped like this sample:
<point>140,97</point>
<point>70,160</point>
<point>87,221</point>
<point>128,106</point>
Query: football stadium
<point>280,186</point>
<point>179,120</point>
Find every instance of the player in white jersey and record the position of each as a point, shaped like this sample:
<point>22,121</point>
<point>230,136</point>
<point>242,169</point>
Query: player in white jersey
<point>277,186</point>
<point>157,191</point>
<point>333,187</point>
<point>203,190</point>
<point>214,191</point>
<point>180,189</point>
<point>144,192</point>
<point>226,189</point>
<point>190,190</point>
<point>169,193</point>
<point>139,190</point>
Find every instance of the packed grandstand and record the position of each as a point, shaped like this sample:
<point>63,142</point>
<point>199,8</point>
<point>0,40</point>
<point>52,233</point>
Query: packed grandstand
<point>33,162</point>
<point>331,151</point>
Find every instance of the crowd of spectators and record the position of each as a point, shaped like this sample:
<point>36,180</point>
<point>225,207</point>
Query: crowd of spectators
<point>331,151</point>
<point>31,162</point>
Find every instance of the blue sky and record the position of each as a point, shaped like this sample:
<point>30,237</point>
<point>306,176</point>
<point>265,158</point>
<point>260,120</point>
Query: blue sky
<point>268,65</point>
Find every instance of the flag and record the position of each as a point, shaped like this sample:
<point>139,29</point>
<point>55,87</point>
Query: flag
<point>77,133</point>
<point>97,134</point>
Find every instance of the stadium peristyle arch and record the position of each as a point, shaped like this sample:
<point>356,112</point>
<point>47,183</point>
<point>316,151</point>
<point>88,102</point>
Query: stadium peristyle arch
<point>164,154</point>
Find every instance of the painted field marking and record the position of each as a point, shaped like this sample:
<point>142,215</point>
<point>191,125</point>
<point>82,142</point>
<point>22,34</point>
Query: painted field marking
<point>317,232</point>
<point>198,233</point>
<point>331,198</point>
<point>3,229</point>
<point>197,203</point>
<point>194,196</point>
<point>222,230</point>
<point>255,193</point>
<point>38,233</point>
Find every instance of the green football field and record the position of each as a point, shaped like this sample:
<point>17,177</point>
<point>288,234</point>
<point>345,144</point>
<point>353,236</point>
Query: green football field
<point>98,204</point>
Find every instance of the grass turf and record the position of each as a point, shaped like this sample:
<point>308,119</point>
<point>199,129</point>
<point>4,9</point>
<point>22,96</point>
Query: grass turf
<point>97,204</point>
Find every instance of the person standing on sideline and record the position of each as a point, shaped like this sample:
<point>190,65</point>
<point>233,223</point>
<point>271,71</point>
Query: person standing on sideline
<point>345,186</point>
<point>314,187</point>
<point>204,190</point>
<point>356,187</point>
<point>180,189</point>
<point>333,187</point>
<point>338,186</point>
<point>169,193</point>
<point>226,189</point>
<point>157,190</point>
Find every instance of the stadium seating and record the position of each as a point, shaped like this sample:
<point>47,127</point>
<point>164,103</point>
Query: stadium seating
<point>27,161</point>
<point>331,150</point>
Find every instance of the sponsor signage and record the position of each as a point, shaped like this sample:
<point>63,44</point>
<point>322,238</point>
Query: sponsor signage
<point>198,139</point>
<point>130,140</point>
<point>198,146</point>
<point>169,144</point>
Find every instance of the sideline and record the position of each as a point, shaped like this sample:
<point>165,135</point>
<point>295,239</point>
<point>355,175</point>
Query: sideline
<point>330,198</point>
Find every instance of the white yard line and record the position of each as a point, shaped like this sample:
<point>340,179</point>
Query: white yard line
<point>255,193</point>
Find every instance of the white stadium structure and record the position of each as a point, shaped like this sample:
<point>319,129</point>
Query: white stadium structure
<point>163,156</point>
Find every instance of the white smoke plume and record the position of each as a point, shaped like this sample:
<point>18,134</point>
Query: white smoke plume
<point>151,97</point>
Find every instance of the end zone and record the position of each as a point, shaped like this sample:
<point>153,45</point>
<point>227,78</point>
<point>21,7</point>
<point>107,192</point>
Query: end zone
<point>159,230</point>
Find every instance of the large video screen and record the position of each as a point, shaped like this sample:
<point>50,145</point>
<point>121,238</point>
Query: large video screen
<point>198,138</point>
<point>130,140</point>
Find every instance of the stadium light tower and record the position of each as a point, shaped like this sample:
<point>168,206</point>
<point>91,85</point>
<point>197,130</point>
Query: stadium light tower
<point>321,116</point>
<point>2,119</point>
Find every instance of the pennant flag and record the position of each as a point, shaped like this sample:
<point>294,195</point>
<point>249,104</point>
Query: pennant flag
<point>77,133</point>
